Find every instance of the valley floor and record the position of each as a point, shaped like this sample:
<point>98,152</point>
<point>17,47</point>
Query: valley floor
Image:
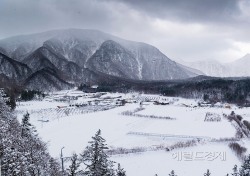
<point>149,135</point>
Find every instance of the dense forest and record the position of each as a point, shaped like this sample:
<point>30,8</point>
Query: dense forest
<point>210,89</point>
<point>22,151</point>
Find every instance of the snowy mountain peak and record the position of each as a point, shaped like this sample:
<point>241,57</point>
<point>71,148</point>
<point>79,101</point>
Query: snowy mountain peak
<point>88,49</point>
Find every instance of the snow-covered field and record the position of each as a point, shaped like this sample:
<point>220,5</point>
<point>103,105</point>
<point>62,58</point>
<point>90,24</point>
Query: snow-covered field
<point>152,135</point>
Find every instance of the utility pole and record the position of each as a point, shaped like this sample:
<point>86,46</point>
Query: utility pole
<point>61,160</point>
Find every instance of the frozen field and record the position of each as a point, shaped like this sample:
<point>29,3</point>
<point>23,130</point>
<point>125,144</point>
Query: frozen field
<point>156,138</point>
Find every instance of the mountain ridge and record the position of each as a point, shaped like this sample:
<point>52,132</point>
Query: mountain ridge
<point>13,69</point>
<point>75,54</point>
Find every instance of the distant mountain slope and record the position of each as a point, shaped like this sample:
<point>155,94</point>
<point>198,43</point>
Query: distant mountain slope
<point>209,67</point>
<point>46,80</point>
<point>133,60</point>
<point>192,72</point>
<point>238,68</point>
<point>13,69</point>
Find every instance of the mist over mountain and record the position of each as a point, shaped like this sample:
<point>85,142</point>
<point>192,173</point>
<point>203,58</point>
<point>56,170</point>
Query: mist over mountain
<point>76,55</point>
<point>237,68</point>
<point>241,66</point>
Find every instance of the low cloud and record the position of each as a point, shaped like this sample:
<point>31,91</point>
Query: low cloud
<point>189,30</point>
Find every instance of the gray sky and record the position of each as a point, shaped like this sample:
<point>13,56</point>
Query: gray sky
<point>182,29</point>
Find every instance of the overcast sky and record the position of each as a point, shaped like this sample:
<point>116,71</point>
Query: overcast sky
<point>181,29</point>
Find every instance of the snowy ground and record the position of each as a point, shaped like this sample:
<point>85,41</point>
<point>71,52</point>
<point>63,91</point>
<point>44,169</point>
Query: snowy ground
<point>62,125</point>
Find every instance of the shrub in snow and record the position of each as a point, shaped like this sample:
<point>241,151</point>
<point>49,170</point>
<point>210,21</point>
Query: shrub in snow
<point>133,113</point>
<point>235,171</point>
<point>207,173</point>
<point>182,145</point>
<point>212,117</point>
<point>247,124</point>
<point>238,149</point>
<point>172,173</point>
<point>241,127</point>
<point>120,150</point>
<point>239,117</point>
<point>120,171</point>
<point>232,139</point>
<point>130,113</point>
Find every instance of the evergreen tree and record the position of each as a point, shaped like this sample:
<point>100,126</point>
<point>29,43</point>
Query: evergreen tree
<point>74,166</point>
<point>172,173</point>
<point>207,173</point>
<point>95,158</point>
<point>120,171</point>
<point>235,171</point>
<point>22,155</point>
<point>26,126</point>
<point>54,167</point>
<point>8,98</point>
<point>245,168</point>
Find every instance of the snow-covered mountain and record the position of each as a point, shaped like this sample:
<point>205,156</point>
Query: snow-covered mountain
<point>39,59</point>
<point>13,69</point>
<point>111,58</point>
<point>192,72</point>
<point>114,59</point>
<point>94,50</point>
<point>238,68</point>
<point>208,67</point>
<point>46,58</point>
<point>46,80</point>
